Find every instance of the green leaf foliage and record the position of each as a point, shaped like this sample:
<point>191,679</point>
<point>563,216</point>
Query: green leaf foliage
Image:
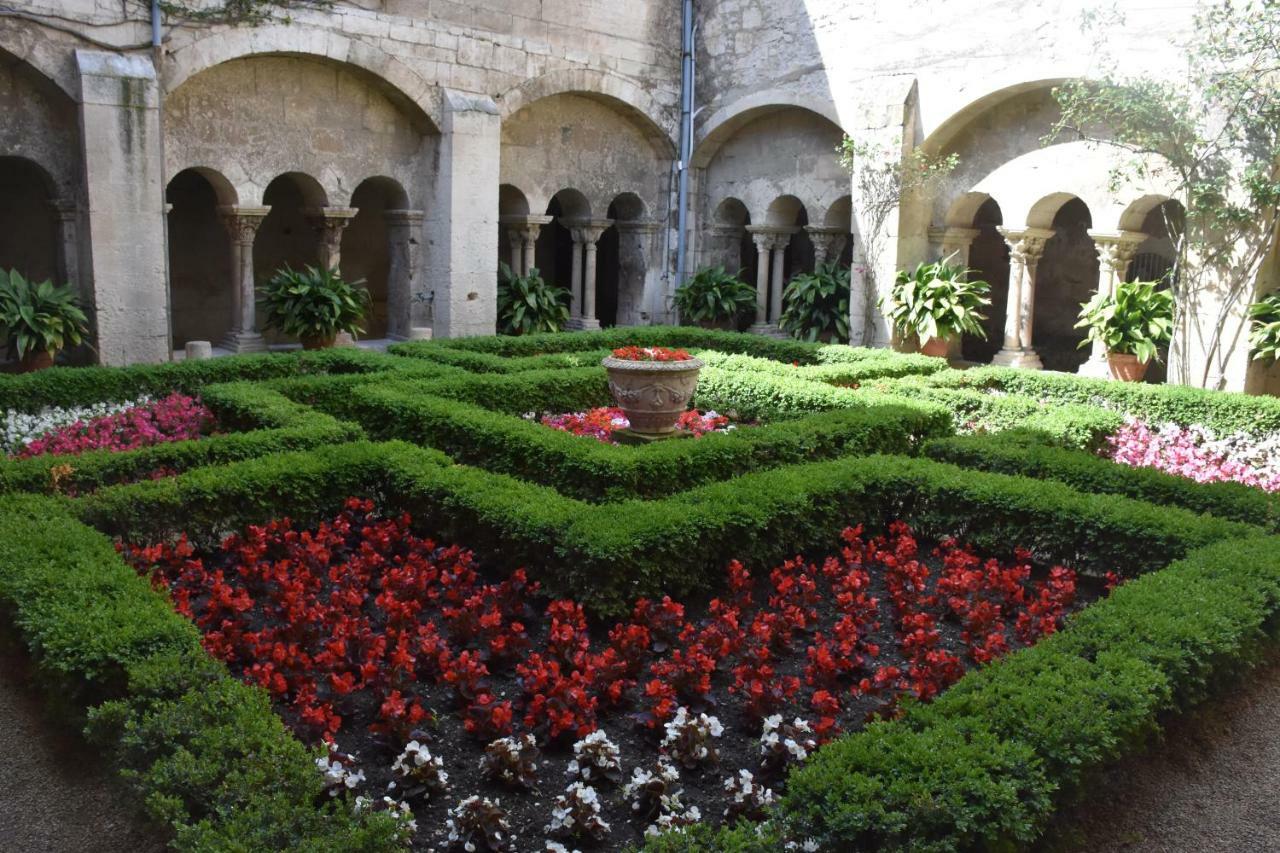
<point>1264,328</point>
<point>529,304</point>
<point>936,300</point>
<point>313,304</point>
<point>39,317</point>
<point>816,304</point>
<point>1136,320</point>
<point>714,297</point>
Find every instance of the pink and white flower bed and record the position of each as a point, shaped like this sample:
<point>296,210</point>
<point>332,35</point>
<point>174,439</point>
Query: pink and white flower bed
<point>601,423</point>
<point>1197,453</point>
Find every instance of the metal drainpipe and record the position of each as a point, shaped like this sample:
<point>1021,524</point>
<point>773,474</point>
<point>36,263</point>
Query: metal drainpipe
<point>686,142</point>
<point>157,46</point>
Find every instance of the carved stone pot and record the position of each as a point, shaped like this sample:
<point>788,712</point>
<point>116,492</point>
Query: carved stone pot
<point>653,394</point>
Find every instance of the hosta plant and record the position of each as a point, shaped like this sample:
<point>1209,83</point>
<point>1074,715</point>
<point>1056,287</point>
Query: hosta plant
<point>936,301</point>
<point>1137,320</point>
<point>816,304</point>
<point>528,303</point>
<point>39,319</point>
<point>714,298</point>
<point>313,305</point>
<point>1264,328</point>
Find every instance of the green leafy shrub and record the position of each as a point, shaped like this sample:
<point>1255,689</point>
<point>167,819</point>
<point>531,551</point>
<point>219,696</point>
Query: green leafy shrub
<point>527,303</point>
<point>1264,328</point>
<point>1136,320</point>
<point>39,318</point>
<point>816,304</point>
<point>313,305</point>
<point>936,300</point>
<point>715,298</point>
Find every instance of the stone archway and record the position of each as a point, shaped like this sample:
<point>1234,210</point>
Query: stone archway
<point>367,249</point>
<point>29,240</point>
<point>1066,277</point>
<point>204,300</point>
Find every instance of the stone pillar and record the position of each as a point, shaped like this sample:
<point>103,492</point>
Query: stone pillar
<point>242,224</point>
<point>828,242</point>
<point>780,243</point>
<point>1026,247</point>
<point>586,233</point>
<point>329,223</point>
<point>764,242</point>
<point>403,230</point>
<point>575,283</point>
<point>1116,249</point>
<point>636,273</point>
<point>126,270</point>
<point>522,236</point>
<point>460,267</point>
<point>67,215</point>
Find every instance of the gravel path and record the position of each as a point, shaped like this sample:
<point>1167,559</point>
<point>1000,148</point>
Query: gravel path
<point>1212,785</point>
<point>55,794</point>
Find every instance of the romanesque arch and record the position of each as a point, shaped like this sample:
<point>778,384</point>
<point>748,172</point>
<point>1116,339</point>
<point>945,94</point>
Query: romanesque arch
<point>203,298</point>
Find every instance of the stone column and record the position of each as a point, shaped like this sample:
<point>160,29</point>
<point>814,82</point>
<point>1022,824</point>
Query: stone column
<point>781,239</point>
<point>635,269</point>
<point>403,229</point>
<point>242,224</point>
<point>1116,249</point>
<point>123,167</point>
<point>764,242</point>
<point>515,243</point>
<point>575,284</point>
<point>1026,247</point>
<point>954,243</point>
<point>67,215</point>
<point>461,216</point>
<point>586,233</point>
<point>522,237</point>
<point>828,242</point>
<point>329,223</point>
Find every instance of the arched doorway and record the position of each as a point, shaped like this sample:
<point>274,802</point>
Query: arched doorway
<point>28,220</point>
<point>989,260</point>
<point>366,246</point>
<point>1066,277</point>
<point>203,303</point>
<point>287,235</point>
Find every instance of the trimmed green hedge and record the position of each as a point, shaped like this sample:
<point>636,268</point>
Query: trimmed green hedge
<point>1010,454</point>
<point>980,768</point>
<point>835,372</point>
<point>588,470</point>
<point>275,424</point>
<point>606,555</point>
<point>1223,411</point>
<point>206,753</point>
<point>73,386</point>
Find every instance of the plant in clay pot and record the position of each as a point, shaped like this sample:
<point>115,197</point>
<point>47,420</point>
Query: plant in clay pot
<point>1264,328</point>
<point>816,305</point>
<point>39,319</point>
<point>1132,324</point>
<point>936,303</point>
<point>313,305</point>
<point>652,386</point>
<point>529,303</point>
<point>714,299</point>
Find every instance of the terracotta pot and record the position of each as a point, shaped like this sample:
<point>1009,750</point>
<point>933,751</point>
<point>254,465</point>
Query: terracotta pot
<point>653,394</point>
<point>318,342</point>
<point>936,347</point>
<point>719,325</point>
<point>1126,367</point>
<point>37,360</point>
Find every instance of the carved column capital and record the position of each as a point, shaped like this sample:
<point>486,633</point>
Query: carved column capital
<point>1026,245</point>
<point>242,223</point>
<point>771,237</point>
<point>587,231</point>
<point>1116,249</point>
<point>329,223</point>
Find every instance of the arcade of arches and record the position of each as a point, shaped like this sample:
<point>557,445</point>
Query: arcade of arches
<point>292,152</point>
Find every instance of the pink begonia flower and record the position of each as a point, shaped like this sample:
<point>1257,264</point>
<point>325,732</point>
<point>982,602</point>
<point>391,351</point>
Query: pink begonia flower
<point>1194,452</point>
<point>175,418</point>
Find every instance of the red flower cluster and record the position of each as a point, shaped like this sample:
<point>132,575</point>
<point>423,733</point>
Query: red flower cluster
<point>175,418</point>
<point>651,354</point>
<point>360,617</point>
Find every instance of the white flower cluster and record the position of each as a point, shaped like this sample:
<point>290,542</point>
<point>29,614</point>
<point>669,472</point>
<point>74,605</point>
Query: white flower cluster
<point>653,795</point>
<point>336,768</point>
<point>792,740</point>
<point>478,820</point>
<point>406,825</point>
<point>689,739</point>
<point>511,761</point>
<point>806,846</point>
<point>1261,453</point>
<point>22,428</point>
<point>557,847</point>
<point>595,757</point>
<point>422,769</point>
<point>674,820</point>
<point>576,813</point>
<point>750,798</point>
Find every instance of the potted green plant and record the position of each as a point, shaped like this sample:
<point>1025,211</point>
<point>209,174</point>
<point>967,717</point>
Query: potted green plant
<point>816,304</point>
<point>313,305</point>
<point>1264,328</point>
<point>714,299</point>
<point>528,303</point>
<point>1132,324</point>
<point>38,319</point>
<point>935,303</point>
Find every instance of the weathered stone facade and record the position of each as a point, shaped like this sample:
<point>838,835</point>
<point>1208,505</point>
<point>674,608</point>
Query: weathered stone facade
<point>419,144</point>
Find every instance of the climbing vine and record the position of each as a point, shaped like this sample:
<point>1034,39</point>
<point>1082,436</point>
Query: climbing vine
<point>238,12</point>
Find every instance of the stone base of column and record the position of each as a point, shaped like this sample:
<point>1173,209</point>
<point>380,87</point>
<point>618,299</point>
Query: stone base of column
<point>582,324</point>
<point>343,339</point>
<point>1024,358</point>
<point>768,329</point>
<point>240,342</point>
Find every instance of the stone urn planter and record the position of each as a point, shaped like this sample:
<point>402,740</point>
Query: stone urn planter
<point>1126,367</point>
<point>652,394</point>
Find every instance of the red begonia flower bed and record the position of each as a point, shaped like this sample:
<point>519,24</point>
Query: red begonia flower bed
<point>371,636</point>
